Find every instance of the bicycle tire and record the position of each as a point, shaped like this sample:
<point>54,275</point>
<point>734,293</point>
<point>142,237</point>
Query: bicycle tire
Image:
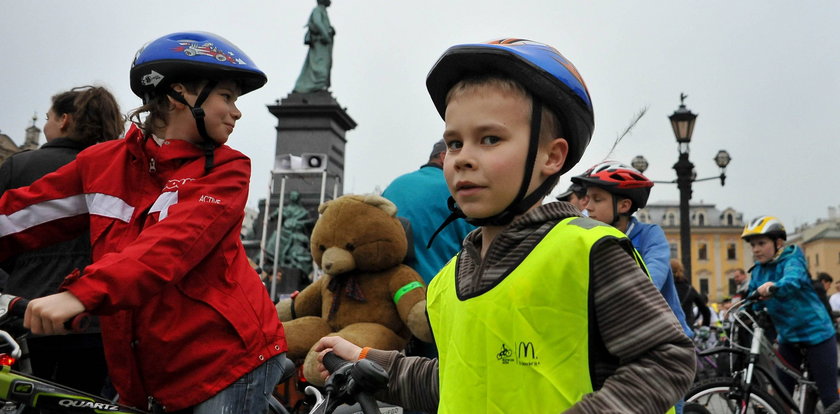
<point>715,396</point>
<point>833,408</point>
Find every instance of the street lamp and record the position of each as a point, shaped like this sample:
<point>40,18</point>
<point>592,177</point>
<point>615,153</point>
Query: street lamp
<point>682,122</point>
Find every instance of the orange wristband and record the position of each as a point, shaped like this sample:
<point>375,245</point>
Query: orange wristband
<point>363,354</point>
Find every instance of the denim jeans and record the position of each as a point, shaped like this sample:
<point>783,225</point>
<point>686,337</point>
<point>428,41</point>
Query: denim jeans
<point>247,395</point>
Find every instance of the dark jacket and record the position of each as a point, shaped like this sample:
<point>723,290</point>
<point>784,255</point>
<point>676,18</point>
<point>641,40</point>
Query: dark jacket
<point>38,273</point>
<point>690,297</point>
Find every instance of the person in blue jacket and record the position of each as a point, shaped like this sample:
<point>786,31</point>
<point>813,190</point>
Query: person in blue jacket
<point>421,197</point>
<point>780,275</point>
<point>615,192</point>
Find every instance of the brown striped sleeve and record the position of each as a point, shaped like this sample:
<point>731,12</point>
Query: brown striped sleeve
<point>656,358</point>
<point>413,382</point>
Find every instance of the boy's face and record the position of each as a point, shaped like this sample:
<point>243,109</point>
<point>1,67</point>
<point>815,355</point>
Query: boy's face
<point>600,204</point>
<point>763,249</point>
<point>220,111</point>
<point>487,134</point>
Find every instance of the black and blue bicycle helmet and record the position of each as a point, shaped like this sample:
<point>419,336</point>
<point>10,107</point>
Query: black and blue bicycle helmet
<point>184,56</point>
<point>551,79</point>
<point>191,56</point>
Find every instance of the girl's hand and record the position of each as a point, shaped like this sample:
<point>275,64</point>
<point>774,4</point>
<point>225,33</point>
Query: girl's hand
<point>764,290</point>
<point>47,315</point>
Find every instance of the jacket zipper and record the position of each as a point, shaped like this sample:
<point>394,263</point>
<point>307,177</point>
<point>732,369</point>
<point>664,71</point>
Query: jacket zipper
<point>152,168</point>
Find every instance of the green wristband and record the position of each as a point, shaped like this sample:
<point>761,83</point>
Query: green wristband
<point>405,289</point>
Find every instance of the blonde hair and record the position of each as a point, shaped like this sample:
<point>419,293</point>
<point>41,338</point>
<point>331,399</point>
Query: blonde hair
<point>550,124</point>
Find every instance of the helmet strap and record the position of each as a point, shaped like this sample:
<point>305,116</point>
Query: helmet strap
<point>208,145</point>
<point>521,203</point>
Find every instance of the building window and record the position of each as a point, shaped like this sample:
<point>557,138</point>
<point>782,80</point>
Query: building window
<point>729,219</point>
<point>702,253</point>
<point>732,287</point>
<point>731,251</point>
<point>673,250</point>
<point>671,219</point>
<point>704,286</point>
<point>817,259</point>
<point>701,219</point>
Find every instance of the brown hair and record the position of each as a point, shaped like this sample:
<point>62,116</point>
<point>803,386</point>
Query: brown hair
<point>550,126</point>
<point>679,271</point>
<point>95,112</point>
<point>158,107</point>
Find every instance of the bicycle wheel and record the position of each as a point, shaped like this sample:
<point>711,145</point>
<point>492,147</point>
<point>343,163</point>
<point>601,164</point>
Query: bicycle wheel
<point>833,408</point>
<point>720,395</point>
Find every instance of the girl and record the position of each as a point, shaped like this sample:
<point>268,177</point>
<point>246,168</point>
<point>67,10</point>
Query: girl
<point>186,322</point>
<point>77,119</point>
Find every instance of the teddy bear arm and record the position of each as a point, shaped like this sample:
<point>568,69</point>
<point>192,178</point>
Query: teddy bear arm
<point>308,301</point>
<point>410,294</point>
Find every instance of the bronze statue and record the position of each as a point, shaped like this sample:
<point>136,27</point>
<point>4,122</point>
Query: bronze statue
<point>315,75</point>
<point>294,240</point>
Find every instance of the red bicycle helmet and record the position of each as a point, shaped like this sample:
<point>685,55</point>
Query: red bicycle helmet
<point>618,179</point>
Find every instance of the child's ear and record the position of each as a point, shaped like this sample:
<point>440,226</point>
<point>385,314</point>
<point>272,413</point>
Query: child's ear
<point>557,151</point>
<point>64,122</point>
<point>173,103</point>
<point>623,205</point>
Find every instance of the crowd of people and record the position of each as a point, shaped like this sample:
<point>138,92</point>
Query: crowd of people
<point>149,225</point>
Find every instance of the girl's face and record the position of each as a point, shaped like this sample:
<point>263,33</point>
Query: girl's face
<point>220,112</point>
<point>763,249</point>
<point>55,127</point>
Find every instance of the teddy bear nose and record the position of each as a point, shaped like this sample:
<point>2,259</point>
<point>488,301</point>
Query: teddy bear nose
<point>336,261</point>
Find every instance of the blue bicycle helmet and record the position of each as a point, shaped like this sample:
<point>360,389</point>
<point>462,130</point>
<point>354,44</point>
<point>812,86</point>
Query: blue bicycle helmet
<point>188,56</point>
<point>551,79</point>
<point>540,68</point>
<point>192,56</point>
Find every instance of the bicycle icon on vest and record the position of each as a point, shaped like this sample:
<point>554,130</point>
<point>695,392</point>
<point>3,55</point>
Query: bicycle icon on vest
<point>505,355</point>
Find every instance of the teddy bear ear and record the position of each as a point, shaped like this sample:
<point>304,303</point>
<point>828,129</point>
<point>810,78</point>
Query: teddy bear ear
<point>323,206</point>
<point>382,203</point>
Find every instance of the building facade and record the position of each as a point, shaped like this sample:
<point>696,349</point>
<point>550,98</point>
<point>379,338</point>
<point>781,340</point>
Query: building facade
<point>716,246</point>
<point>30,142</point>
<point>820,242</point>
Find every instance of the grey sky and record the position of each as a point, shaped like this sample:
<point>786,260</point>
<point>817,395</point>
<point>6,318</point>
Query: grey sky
<point>764,77</point>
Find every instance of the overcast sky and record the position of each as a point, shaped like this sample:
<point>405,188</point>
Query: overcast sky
<point>764,77</point>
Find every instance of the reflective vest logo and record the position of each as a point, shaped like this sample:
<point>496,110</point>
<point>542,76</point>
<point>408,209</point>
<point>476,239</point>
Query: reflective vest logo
<point>526,354</point>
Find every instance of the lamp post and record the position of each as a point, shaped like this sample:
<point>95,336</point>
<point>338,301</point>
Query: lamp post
<point>682,122</point>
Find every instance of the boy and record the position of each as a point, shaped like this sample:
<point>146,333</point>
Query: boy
<point>615,192</point>
<point>808,329</point>
<point>186,322</point>
<point>522,324</point>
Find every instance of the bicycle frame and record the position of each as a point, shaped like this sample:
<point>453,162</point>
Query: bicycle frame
<point>746,375</point>
<point>34,392</point>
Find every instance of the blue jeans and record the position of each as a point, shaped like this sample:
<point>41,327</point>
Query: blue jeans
<point>247,395</point>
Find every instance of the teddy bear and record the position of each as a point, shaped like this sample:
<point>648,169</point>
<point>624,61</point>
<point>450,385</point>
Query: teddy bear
<point>366,295</point>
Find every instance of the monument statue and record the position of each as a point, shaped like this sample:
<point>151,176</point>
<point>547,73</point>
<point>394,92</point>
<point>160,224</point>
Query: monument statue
<point>315,75</point>
<point>294,240</point>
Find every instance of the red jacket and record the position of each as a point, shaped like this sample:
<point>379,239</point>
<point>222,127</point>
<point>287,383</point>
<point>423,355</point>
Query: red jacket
<point>183,314</point>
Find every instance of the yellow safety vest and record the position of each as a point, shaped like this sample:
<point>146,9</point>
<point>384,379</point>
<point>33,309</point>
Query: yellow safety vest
<point>503,349</point>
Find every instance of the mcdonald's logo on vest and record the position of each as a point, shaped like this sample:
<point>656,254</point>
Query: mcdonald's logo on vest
<point>527,354</point>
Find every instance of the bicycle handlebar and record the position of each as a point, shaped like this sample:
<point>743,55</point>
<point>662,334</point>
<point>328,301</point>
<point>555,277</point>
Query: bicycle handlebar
<point>350,381</point>
<point>78,323</point>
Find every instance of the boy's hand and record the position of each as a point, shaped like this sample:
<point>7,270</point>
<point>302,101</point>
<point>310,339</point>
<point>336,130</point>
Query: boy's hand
<point>764,290</point>
<point>340,347</point>
<point>47,315</point>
